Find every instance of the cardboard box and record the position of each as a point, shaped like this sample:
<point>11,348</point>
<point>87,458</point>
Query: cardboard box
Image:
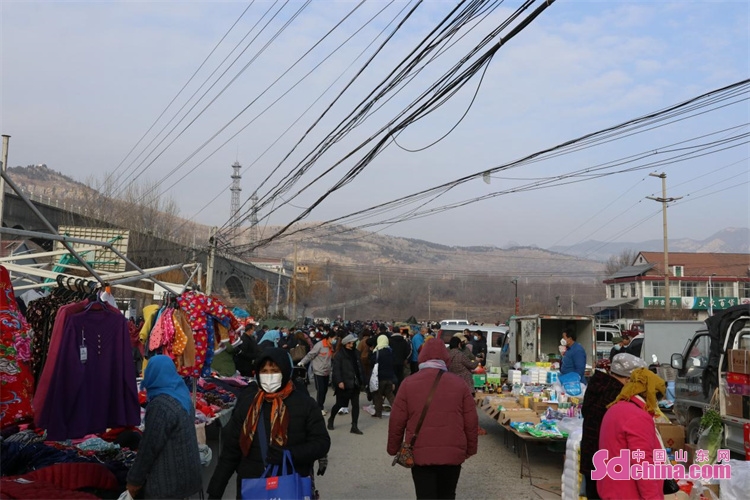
<point>672,435</point>
<point>520,415</point>
<point>739,360</point>
<point>733,405</point>
<point>541,406</point>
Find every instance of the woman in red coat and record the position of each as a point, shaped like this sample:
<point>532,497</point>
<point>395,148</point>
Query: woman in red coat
<point>629,425</point>
<point>449,432</point>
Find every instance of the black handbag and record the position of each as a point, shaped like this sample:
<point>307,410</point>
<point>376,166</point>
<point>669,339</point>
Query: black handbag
<point>670,487</point>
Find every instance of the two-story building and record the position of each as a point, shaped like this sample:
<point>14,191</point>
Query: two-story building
<point>638,289</point>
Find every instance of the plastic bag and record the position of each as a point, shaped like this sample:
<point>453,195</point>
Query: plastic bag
<point>736,487</point>
<point>125,495</point>
<point>571,382</point>
<point>570,425</point>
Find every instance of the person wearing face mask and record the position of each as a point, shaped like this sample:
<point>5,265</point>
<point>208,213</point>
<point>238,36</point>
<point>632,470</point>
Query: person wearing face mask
<point>321,356</point>
<point>574,359</point>
<point>462,347</point>
<point>479,346</point>
<point>290,419</point>
<point>270,339</point>
<point>286,341</point>
<point>347,378</point>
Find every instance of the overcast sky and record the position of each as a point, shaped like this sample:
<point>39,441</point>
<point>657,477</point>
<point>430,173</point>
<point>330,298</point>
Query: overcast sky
<point>82,82</point>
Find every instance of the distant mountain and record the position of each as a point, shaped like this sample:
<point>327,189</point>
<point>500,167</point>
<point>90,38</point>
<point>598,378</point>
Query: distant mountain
<point>355,248</point>
<point>729,240</point>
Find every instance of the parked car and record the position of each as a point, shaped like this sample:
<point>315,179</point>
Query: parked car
<point>452,322</point>
<point>494,335</point>
<point>605,335</point>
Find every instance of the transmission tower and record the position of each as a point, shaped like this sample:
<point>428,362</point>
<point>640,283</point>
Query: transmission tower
<point>254,221</point>
<point>235,209</point>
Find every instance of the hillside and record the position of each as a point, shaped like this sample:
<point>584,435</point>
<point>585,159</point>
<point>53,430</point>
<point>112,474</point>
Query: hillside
<point>356,248</point>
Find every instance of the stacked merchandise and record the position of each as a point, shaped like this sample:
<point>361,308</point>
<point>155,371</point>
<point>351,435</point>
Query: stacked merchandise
<point>514,376</point>
<point>188,329</point>
<point>571,477</point>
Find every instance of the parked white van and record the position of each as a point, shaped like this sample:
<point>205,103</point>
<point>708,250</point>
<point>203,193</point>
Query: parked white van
<point>494,335</point>
<point>452,322</point>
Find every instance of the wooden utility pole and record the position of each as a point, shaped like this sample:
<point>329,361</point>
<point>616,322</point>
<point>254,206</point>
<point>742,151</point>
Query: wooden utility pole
<point>664,200</point>
<point>211,261</point>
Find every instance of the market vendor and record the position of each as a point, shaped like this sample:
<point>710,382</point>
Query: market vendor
<point>574,359</point>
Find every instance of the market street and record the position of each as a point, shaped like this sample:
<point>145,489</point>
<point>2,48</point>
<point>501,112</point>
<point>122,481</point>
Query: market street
<point>359,467</point>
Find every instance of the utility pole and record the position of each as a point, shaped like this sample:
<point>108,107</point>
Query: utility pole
<point>429,301</point>
<point>3,168</point>
<point>278,286</point>
<point>664,200</point>
<point>294,284</point>
<point>211,262</point>
<point>518,304</point>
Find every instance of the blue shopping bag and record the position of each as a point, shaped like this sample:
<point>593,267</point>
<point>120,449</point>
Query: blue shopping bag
<point>288,485</point>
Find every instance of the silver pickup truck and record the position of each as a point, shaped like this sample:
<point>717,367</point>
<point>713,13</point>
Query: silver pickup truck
<point>702,367</point>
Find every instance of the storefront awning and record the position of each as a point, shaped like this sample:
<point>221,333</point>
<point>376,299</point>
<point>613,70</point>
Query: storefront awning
<point>614,303</point>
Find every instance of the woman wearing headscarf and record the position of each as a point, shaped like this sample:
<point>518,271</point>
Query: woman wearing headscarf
<point>291,421</point>
<point>460,364</point>
<point>603,388</point>
<point>270,339</point>
<point>168,464</point>
<point>383,356</point>
<point>448,435</point>
<point>347,378</point>
<point>629,425</point>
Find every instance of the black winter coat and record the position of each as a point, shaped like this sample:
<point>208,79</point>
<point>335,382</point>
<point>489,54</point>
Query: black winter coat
<point>244,359</point>
<point>384,358</point>
<point>401,349</point>
<point>307,440</point>
<point>347,369</point>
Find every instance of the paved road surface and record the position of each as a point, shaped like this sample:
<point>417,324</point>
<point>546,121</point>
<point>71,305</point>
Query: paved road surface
<point>360,468</point>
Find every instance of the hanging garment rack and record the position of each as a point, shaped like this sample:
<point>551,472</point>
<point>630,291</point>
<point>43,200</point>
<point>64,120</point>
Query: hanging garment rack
<point>117,280</point>
<point>65,240</point>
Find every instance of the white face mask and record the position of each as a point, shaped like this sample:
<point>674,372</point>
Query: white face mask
<point>563,342</point>
<point>270,382</point>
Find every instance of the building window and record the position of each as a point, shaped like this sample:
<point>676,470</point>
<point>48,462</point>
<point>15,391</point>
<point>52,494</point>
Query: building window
<point>745,290</point>
<point>623,291</point>
<point>633,292</point>
<point>657,289</point>
<point>611,291</point>
<point>688,289</point>
<point>678,271</point>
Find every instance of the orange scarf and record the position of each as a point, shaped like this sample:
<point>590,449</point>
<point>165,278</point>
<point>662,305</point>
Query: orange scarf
<point>279,417</point>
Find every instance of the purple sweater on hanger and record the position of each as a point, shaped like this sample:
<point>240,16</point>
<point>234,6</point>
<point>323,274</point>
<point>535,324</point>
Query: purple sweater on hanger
<point>89,396</point>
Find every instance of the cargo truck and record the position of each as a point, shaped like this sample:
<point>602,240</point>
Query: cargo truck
<point>716,358</point>
<point>536,337</point>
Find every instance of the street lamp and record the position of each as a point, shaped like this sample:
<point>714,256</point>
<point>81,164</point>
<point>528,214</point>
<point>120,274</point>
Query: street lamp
<point>710,297</point>
<point>518,305</point>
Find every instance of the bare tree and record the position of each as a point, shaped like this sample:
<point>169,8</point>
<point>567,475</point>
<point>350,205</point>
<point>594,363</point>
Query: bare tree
<point>617,262</point>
